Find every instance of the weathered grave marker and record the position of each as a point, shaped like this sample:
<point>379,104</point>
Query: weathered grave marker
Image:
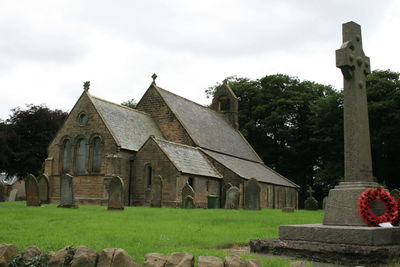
<point>116,194</point>
<point>67,199</point>
<point>156,191</point>
<point>32,191</point>
<point>310,203</point>
<point>2,193</point>
<point>252,191</point>
<point>187,190</point>
<point>13,195</point>
<point>324,201</point>
<point>188,202</point>
<point>147,197</point>
<point>232,198</point>
<point>44,188</point>
<point>224,189</point>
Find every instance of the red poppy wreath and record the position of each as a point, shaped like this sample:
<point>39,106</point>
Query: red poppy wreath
<point>365,202</point>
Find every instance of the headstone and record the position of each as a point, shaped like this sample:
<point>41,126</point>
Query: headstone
<point>188,203</point>
<point>147,197</point>
<point>252,191</point>
<point>324,201</point>
<point>156,191</point>
<point>32,191</point>
<point>288,209</point>
<point>13,195</point>
<point>2,193</point>
<point>311,203</point>
<point>67,199</point>
<point>341,208</point>
<point>116,194</point>
<point>232,198</point>
<point>187,190</point>
<point>224,189</point>
<point>396,194</point>
<point>44,188</point>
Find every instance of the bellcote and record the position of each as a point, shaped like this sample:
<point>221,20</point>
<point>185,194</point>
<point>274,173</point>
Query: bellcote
<point>226,102</point>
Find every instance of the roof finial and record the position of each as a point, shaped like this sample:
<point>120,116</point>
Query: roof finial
<point>154,76</point>
<point>86,86</point>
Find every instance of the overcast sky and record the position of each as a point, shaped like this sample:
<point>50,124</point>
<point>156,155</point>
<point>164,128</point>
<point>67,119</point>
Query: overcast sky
<point>48,48</point>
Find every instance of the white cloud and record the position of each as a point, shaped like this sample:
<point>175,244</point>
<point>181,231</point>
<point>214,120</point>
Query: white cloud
<point>50,47</point>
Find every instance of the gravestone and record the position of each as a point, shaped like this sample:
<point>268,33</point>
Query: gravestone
<point>187,190</point>
<point>310,203</point>
<point>2,193</point>
<point>32,191</point>
<point>288,209</point>
<point>188,202</point>
<point>252,191</point>
<point>116,194</point>
<point>324,201</point>
<point>13,195</point>
<point>396,194</point>
<point>232,198</point>
<point>67,199</point>
<point>147,197</point>
<point>44,188</point>
<point>156,191</point>
<point>224,189</point>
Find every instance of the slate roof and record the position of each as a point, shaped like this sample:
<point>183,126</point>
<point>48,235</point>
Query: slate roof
<point>208,128</point>
<point>130,127</point>
<point>248,169</point>
<point>188,159</point>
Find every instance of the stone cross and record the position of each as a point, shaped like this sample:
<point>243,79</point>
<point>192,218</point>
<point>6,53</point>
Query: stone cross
<point>350,58</point>
<point>154,77</point>
<point>310,191</point>
<point>86,86</point>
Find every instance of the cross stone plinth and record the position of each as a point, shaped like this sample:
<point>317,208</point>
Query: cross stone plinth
<point>342,207</point>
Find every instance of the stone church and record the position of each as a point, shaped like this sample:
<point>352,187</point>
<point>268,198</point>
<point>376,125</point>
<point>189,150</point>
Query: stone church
<point>166,137</point>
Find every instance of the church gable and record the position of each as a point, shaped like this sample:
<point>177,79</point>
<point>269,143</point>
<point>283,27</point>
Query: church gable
<point>153,104</point>
<point>83,135</point>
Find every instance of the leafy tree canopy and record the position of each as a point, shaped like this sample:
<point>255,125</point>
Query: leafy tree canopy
<point>24,138</point>
<point>131,103</point>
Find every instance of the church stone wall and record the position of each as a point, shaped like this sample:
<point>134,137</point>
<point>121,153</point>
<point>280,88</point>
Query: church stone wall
<point>151,155</point>
<point>172,129</point>
<point>89,186</point>
<point>202,186</point>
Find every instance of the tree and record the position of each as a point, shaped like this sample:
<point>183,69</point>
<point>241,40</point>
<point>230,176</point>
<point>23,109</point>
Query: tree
<point>25,136</point>
<point>383,92</point>
<point>131,103</point>
<point>291,123</point>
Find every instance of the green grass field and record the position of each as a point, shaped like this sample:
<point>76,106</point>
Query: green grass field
<point>141,230</point>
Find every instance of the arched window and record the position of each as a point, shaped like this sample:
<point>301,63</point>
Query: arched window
<point>149,174</point>
<point>82,119</point>
<point>97,150</point>
<point>81,156</point>
<point>67,156</point>
<point>224,103</point>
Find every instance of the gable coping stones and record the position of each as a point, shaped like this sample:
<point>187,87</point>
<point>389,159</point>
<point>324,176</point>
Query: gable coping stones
<point>116,194</point>
<point>32,191</point>
<point>252,191</point>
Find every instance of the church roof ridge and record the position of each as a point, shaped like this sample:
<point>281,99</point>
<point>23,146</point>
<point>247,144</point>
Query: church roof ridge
<point>119,105</point>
